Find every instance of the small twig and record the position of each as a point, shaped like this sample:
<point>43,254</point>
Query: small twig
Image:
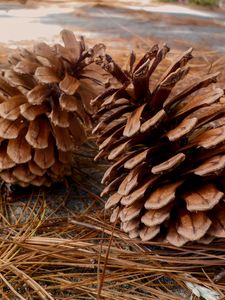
<point>87,225</point>
<point>106,260</point>
<point>94,227</point>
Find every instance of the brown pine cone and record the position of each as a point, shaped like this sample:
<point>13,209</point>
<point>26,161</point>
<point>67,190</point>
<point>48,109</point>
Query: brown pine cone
<point>167,150</point>
<point>45,109</point>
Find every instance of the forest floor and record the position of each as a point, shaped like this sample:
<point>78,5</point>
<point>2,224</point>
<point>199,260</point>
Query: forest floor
<point>58,243</point>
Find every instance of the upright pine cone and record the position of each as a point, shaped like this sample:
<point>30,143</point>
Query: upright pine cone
<point>44,110</point>
<point>166,181</point>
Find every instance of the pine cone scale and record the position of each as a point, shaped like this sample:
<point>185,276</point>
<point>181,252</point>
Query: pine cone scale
<point>38,94</point>
<point>38,133</point>
<point>204,82</point>
<point>30,112</point>
<point>69,85</point>
<point>11,109</point>
<point>46,75</point>
<point>204,198</point>
<point>44,158</point>
<point>19,150</point>
<point>5,161</point>
<point>10,129</point>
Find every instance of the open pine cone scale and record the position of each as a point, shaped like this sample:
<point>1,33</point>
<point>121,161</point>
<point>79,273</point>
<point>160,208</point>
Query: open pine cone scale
<point>45,109</point>
<point>167,149</point>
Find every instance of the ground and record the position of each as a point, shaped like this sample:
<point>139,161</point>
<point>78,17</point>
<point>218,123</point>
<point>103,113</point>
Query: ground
<point>58,243</point>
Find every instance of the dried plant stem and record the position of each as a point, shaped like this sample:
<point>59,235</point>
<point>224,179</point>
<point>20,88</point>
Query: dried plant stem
<point>102,229</point>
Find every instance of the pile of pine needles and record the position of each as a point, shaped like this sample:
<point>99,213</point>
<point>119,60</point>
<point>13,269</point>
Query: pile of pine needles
<point>51,247</point>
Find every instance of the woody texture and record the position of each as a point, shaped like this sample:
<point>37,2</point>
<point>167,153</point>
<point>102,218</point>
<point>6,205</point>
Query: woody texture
<point>166,149</point>
<point>45,109</point>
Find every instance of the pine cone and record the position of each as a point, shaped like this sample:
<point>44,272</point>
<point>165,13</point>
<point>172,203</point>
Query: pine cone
<point>166,181</point>
<point>44,110</point>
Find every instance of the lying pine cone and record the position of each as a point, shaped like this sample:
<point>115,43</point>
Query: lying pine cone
<point>168,152</point>
<point>44,110</point>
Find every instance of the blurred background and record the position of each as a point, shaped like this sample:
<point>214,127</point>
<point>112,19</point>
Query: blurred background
<point>119,23</point>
